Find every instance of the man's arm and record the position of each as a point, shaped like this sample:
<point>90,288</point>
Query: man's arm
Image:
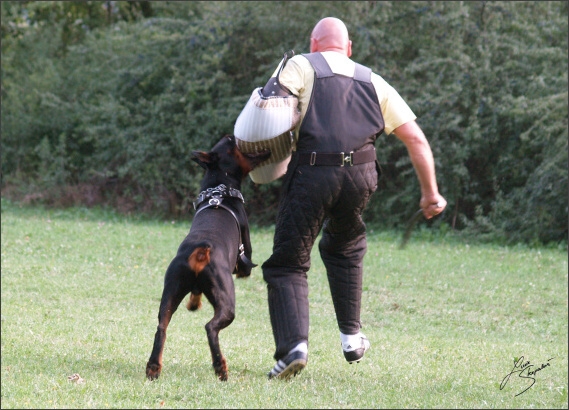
<point>432,203</point>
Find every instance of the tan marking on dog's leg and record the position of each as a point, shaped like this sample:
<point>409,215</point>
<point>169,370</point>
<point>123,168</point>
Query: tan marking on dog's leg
<point>221,369</point>
<point>199,259</point>
<point>194,302</point>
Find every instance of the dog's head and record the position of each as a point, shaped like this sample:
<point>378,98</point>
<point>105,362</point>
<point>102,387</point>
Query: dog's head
<point>225,163</point>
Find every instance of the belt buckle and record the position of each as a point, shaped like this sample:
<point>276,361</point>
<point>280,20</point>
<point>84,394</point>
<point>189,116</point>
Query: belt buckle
<point>347,158</point>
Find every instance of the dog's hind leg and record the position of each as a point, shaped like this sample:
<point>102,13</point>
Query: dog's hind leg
<point>223,302</point>
<point>220,321</point>
<point>173,294</point>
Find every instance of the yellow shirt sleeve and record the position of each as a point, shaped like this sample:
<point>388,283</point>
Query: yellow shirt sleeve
<point>394,109</point>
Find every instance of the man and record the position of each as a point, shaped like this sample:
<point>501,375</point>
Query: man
<point>329,180</point>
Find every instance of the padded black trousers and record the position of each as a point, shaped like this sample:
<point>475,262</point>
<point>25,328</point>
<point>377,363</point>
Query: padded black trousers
<point>315,198</point>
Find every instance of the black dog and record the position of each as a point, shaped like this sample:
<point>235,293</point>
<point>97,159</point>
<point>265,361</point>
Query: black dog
<point>217,245</point>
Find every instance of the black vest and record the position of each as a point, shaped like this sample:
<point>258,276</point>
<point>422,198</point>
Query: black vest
<point>343,114</point>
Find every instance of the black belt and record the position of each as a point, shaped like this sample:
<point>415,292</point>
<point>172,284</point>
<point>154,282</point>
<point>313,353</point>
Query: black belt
<point>336,158</point>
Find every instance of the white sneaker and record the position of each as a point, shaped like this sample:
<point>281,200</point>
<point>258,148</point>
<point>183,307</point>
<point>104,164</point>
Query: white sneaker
<point>355,348</point>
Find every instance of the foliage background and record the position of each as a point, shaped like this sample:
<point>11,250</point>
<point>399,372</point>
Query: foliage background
<point>103,102</point>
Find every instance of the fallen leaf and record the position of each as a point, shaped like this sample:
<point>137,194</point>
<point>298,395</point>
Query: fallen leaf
<point>76,378</point>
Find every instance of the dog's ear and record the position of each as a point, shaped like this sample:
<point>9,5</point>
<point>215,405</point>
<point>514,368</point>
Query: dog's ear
<point>204,159</point>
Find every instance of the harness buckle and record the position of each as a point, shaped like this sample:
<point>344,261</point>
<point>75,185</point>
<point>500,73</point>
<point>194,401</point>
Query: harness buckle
<point>349,159</point>
<point>214,201</point>
<point>312,158</point>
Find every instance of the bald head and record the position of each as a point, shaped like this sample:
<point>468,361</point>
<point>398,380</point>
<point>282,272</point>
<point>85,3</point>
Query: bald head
<point>330,34</point>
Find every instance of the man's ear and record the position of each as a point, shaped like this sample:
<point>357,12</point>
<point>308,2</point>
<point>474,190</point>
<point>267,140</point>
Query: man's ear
<point>313,45</point>
<point>350,48</point>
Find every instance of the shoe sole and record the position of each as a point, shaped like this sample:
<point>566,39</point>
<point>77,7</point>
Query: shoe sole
<point>355,356</point>
<point>292,369</point>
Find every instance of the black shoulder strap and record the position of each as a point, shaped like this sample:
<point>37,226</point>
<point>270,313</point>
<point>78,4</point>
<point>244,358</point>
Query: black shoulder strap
<point>320,65</point>
<point>362,73</point>
<point>274,88</point>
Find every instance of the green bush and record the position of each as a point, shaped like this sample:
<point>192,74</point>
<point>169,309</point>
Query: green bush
<point>117,102</point>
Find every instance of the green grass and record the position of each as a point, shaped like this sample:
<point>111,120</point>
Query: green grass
<point>81,289</point>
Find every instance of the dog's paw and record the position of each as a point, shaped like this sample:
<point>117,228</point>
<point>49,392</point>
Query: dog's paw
<point>221,369</point>
<point>244,267</point>
<point>153,370</point>
<point>242,274</point>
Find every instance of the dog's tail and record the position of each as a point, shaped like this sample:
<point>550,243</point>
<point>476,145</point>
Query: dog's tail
<point>199,258</point>
<point>197,261</point>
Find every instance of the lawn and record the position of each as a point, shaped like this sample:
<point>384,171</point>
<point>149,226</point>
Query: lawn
<point>452,324</point>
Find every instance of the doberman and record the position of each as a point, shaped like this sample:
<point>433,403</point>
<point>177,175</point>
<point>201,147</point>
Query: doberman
<point>217,245</point>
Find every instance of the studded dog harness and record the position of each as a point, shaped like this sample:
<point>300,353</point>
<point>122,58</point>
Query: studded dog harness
<point>214,198</point>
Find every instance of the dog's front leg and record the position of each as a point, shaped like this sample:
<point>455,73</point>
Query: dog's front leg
<point>244,262</point>
<point>171,299</point>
